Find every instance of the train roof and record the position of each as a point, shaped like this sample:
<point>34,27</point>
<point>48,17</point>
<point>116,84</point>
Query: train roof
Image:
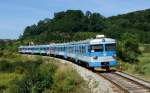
<point>31,46</point>
<point>88,41</point>
<point>95,41</point>
<point>102,41</point>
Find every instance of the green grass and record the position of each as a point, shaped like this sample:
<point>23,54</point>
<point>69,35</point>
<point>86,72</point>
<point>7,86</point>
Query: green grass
<point>6,78</point>
<point>145,57</point>
<point>145,48</point>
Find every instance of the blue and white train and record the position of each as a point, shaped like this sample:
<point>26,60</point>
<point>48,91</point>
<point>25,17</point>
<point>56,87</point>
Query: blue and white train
<point>94,53</point>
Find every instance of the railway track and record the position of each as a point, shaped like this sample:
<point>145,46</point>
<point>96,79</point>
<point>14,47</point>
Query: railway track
<point>127,83</point>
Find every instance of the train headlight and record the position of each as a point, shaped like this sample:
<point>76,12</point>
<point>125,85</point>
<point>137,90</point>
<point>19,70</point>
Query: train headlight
<point>96,57</point>
<point>114,56</point>
<point>92,50</point>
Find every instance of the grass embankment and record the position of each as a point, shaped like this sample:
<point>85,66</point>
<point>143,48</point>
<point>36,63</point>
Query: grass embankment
<point>30,74</point>
<point>139,69</point>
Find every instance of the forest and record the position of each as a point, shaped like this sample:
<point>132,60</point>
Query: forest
<point>73,25</point>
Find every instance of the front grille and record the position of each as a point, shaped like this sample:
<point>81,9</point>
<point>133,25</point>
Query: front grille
<point>105,63</point>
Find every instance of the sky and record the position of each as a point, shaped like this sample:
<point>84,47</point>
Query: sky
<point>15,15</point>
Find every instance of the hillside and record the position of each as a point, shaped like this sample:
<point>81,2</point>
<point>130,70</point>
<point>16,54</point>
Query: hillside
<point>75,25</point>
<point>137,23</point>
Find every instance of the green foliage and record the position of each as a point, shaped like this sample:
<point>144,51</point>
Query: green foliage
<point>2,88</point>
<point>47,78</point>
<point>5,66</point>
<point>66,81</point>
<point>1,54</point>
<point>63,27</point>
<point>145,48</point>
<point>9,45</point>
<point>128,48</point>
<point>140,69</point>
<point>73,25</point>
<point>135,22</point>
<point>10,66</point>
<point>32,83</point>
<point>29,74</point>
<point>146,68</point>
<point>82,35</point>
<point>37,77</point>
<point>6,78</point>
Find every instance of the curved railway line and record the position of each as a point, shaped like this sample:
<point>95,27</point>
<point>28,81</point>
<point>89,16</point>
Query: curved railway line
<point>127,83</point>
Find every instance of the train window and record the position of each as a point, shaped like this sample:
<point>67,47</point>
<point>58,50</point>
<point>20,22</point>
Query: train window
<point>110,47</point>
<point>44,48</point>
<point>63,48</point>
<point>80,49</point>
<point>83,49</point>
<point>96,48</point>
<point>47,48</point>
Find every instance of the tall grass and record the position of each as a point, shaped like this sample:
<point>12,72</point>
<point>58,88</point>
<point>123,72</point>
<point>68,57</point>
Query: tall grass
<point>66,80</point>
<point>30,74</point>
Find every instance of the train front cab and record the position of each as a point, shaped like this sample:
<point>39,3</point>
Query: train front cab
<point>102,55</point>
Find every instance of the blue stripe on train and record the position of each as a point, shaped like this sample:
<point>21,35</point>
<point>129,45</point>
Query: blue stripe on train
<point>98,64</point>
<point>108,53</point>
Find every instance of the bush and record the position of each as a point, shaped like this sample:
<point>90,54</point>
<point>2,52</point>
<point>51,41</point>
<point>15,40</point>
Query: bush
<point>146,69</point>
<point>31,76</point>
<point>36,80</point>
<point>19,70</point>
<point>2,88</point>
<point>66,81</point>
<point>128,48</point>
<point>5,66</point>
<point>1,53</point>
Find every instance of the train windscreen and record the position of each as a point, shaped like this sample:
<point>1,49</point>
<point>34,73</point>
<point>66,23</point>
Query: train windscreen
<point>110,47</point>
<point>96,48</point>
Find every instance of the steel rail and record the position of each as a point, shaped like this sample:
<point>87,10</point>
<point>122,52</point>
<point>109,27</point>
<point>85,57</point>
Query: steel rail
<point>126,84</point>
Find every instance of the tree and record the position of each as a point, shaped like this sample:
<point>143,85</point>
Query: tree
<point>66,24</point>
<point>128,48</point>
